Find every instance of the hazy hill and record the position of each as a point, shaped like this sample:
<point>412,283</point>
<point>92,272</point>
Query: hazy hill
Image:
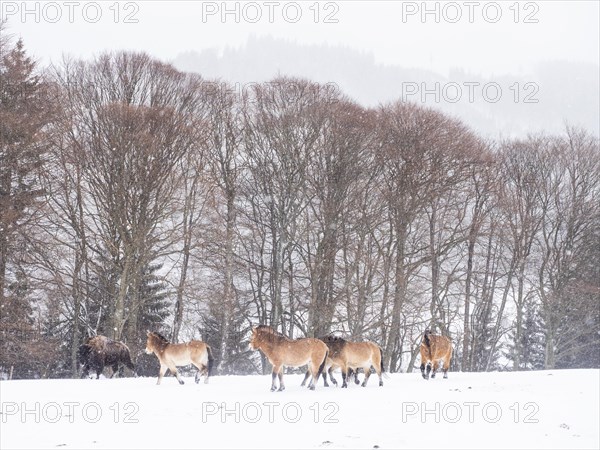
<point>566,92</point>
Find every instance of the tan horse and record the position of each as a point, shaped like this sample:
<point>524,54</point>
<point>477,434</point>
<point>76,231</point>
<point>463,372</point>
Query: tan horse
<point>334,344</point>
<point>350,356</point>
<point>171,356</point>
<point>282,351</point>
<point>434,349</point>
<point>357,355</point>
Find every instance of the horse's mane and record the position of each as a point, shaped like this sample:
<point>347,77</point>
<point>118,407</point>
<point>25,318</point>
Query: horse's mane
<point>332,338</point>
<point>163,339</point>
<point>271,331</point>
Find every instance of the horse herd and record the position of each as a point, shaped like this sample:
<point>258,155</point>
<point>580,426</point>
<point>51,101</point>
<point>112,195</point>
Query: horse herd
<point>322,356</point>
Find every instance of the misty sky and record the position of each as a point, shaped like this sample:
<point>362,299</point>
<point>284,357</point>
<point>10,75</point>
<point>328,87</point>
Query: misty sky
<point>396,33</point>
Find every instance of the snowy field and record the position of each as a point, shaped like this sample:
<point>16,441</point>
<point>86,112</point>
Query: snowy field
<point>546,410</point>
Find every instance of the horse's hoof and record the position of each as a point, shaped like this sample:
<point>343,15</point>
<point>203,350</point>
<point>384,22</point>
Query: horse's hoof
<point>273,389</point>
<point>364,385</point>
<point>312,388</point>
<point>181,382</point>
<point>282,388</point>
<point>344,385</point>
<point>433,375</point>
<point>381,383</point>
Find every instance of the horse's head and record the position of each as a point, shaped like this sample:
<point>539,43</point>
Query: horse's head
<point>254,339</point>
<point>149,343</point>
<point>155,342</point>
<point>260,334</point>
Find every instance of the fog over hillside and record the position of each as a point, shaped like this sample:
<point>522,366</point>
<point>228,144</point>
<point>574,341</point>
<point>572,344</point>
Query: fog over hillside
<point>498,105</point>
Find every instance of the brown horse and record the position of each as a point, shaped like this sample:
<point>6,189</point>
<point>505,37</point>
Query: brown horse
<point>171,356</point>
<point>282,351</point>
<point>354,355</point>
<point>434,349</point>
<point>100,351</point>
<point>334,344</point>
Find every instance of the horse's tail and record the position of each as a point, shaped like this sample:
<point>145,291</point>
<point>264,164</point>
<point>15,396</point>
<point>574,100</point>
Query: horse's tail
<point>381,357</point>
<point>211,359</point>
<point>322,366</point>
<point>426,338</point>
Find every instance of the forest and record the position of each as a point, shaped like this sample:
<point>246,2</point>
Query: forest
<point>136,197</point>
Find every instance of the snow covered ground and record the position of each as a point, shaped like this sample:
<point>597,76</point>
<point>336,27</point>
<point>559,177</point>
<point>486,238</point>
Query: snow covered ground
<point>545,409</point>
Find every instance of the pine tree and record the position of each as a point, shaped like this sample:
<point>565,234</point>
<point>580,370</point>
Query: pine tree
<point>25,111</point>
<point>238,358</point>
<point>155,302</point>
<point>153,292</point>
<point>531,343</point>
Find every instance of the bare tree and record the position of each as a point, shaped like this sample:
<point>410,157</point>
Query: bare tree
<point>283,124</point>
<point>520,205</point>
<point>419,152</point>
<point>336,169</point>
<point>134,119</point>
<point>568,287</point>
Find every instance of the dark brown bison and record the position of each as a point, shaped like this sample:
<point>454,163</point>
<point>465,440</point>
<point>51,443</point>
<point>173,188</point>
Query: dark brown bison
<point>100,351</point>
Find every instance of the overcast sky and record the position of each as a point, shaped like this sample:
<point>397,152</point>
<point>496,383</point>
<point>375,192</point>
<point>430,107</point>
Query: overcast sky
<point>480,37</point>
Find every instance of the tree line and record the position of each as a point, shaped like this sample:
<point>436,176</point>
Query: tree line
<point>136,197</point>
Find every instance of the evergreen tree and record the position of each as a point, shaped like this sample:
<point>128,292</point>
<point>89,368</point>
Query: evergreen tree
<point>238,359</point>
<point>154,297</point>
<point>26,109</point>
<point>531,343</point>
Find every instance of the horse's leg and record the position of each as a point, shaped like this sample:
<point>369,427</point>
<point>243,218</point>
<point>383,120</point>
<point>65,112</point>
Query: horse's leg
<point>174,370</point>
<point>99,370</point>
<point>206,374</point>
<point>423,370</point>
<point>306,375</point>
<point>200,371</point>
<point>331,378</point>
<point>428,369</point>
<point>277,373</point>
<point>380,375</point>
<point>378,364</point>
<point>274,373</point>
<point>351,375</point>
<point>367,371</point>
<point>161,373</point>
<point>344,375</point>
<point>436,365</point>
<point>115,369</point>
<point>314,370</point>
<point>446,365</point>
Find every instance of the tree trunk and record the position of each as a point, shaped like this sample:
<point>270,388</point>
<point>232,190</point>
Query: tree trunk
<point>467,313</point>
<point>398,298</point>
